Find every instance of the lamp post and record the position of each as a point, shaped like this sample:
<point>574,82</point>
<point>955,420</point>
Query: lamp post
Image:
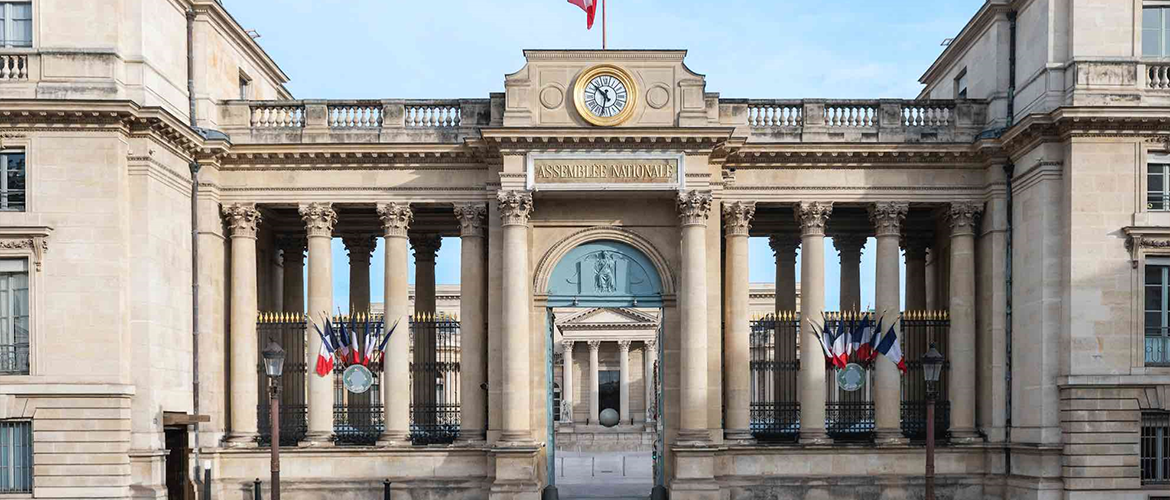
<point>274,367</point>
<point>932,363</point>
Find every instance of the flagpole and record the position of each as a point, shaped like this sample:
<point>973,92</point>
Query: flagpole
<point>603,25</point>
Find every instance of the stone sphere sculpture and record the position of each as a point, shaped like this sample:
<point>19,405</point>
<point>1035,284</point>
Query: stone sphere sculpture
<point>608,417</point>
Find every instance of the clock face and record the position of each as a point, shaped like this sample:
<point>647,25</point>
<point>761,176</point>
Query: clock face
<point>606,96</point>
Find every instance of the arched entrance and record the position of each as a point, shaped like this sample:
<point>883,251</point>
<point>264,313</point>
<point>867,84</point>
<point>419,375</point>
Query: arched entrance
<point>605,290</point>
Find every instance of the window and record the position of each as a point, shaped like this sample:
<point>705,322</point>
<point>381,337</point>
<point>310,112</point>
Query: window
<point>961,85</point>
<point>1158,183</point>
<point>12,176</point>
<point>14,317</point>
<point>16,30</point>
<point>245,83</point>
<point>1155,446</point>
<point>1156,31</point>
<point>15,457</point>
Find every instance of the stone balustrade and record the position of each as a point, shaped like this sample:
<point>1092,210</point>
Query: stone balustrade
<point>14,67</point>
<point>1158,76</point>
<point>276,115</point>
<point>885,120</point>
<point>436,114</point>
<point>355,114</point>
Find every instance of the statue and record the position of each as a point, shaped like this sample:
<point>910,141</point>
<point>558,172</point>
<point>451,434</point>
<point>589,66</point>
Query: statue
<point>566,411</point>
<point>605,281</point>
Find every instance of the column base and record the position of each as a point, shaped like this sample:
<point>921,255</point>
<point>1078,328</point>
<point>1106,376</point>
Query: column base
<point>890,437</point>
<point>738,436</point>
<point>965,436</point>
<point>317,440</point>
<point>694,437</point>
<point>242,440</point>
<point>394,440</point>
<point>516,439</point>
<point>471,438</point>
<point>815,437</point>
<point>694,473</point>
<point>516,476</point>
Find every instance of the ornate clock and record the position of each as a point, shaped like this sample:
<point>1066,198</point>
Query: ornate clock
<point>605,95</point>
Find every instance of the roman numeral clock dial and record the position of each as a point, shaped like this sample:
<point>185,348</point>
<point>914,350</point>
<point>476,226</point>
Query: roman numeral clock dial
<point>605,95</point>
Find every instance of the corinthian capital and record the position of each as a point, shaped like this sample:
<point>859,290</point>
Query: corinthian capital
<point>359,246</point>
<point>471,217</point>
<point>319,219</point>
<point>426,246</point>
<point>812,217</point>
<point>242,219</point>
<point>962,217</point>
<point>515,207</point>
<point>737,217</point>
<point>694,207</point>
<point>396,218</point>
<point>887,217</point>
<point>784,244</point>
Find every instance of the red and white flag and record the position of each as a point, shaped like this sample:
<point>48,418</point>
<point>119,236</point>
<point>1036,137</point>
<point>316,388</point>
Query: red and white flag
<point>325,353</point>
<point>590,8</point>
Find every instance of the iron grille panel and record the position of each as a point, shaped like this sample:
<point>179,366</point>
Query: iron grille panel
<point>16,457</point>
<point>775,407</point>
<point>288,330</point>
<point>919,329</point>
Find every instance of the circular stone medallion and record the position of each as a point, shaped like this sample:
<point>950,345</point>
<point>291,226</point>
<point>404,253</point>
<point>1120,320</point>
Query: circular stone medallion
<point>658,96</point>
<point>552,97</point>
<point>851,378</point>
<point>357,379</point>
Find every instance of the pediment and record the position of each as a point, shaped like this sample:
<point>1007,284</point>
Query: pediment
<point>608,316</point>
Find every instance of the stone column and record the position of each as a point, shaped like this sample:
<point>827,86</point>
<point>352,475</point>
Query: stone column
<point>567,382</point>
<point>916,246</point>
<point>694,207</point>
<point>426,246</point>
<point>473,327</point>
<point>396,219</point>
<point>594,392</point>
<point>962,217</point>
<point>812,217</point>
<point>319,221</point>
<point>276,282</point>
<point>425,354</point>
<point>293,248</point>
<point>887,219</point>
<point>624,381</point>
<point>515,208</point>
<point>737,218</point>
<point>784,246</point>
<point>849,249</point>
<point>242,220</point>
<point>360,248</point>
<point>649,357</point>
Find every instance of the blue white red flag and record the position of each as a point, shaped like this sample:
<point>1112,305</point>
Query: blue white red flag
<point>325,353</point>
<point>890,348</point>
<point>590,8</point>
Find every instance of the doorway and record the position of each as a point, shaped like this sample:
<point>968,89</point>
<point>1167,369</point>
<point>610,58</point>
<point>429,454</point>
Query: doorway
<point>608,391</point>
<point>178,451</point>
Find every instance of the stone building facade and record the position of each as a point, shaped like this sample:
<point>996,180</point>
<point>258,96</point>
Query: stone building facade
<point>1025,190</point>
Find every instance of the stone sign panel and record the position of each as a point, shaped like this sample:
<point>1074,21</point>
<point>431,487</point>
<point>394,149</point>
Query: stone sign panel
<point>603,172</point>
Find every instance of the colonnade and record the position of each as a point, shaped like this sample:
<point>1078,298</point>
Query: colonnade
<point>515,208</point>
<point>567,383</point>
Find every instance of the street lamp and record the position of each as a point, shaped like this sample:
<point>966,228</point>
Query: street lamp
<point>274,367</point>
<point>932,363</point>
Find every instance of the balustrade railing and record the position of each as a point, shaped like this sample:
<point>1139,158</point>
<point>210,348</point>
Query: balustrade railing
<point>918,330</point>
<point>927,113</point>
<point>278,116</point>
<point>14,359</point>
<point>767,114</point>
<point>355,115</point>
<point>1157,346</point>
<point>13,67</point>
<point>1158,76</point>
<point>851,115</point>
<point>440,115</point>
<point>775,408</point>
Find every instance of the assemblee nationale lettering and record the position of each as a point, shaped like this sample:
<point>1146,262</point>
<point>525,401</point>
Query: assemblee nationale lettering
<point>606,171</point>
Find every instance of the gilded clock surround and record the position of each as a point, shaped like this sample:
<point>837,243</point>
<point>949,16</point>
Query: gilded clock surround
<point>616,72</point>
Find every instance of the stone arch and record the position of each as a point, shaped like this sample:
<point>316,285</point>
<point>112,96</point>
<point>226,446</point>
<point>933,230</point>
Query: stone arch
<point>553,257</point>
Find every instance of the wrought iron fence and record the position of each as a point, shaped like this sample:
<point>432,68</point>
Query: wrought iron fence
<point>775,407</point>
<point>288,330</point>
<point>434,372</point>
<point>849,415</point>
<point>918,330</point>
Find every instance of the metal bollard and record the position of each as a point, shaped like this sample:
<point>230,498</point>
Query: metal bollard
<point>256,490</point>
<point>207,482</point>
<point>386,489</point>
<point>659,493</point>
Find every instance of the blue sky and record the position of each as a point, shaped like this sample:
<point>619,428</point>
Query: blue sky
<point>463,48</point>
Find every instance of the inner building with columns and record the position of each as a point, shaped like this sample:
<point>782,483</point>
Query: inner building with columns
<point>611,213</point>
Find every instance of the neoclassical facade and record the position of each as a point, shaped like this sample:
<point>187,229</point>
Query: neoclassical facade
<point>168,207</point>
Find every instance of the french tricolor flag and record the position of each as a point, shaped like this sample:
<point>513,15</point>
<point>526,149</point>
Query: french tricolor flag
<point>590,8</point>
<point>325,354</point>
<point>889,348</point>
